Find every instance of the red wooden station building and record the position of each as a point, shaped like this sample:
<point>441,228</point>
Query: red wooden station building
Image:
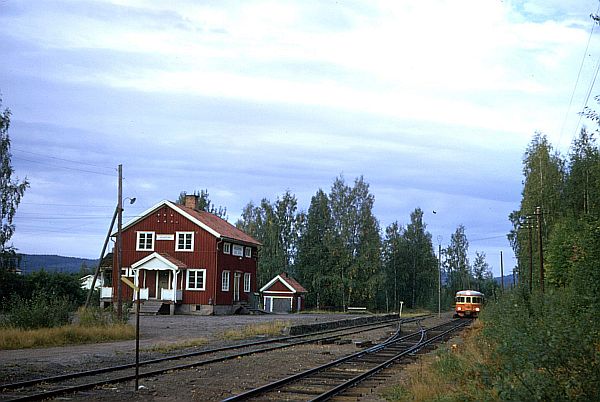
<point>191,261</point>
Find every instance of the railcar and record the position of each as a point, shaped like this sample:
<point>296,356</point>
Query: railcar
<point>468,303</point>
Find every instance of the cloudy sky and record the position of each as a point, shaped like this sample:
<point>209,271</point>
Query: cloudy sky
<point>433,101</point>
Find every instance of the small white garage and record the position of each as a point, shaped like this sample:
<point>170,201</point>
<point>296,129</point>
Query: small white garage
<point>283,294</point>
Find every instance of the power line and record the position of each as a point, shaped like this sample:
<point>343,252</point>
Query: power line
<point>76,217</point>
<point>62,167</point>
<point>590,89</point>
<point>66,205</point>
<point>62,159</point>
<point>577,80</point>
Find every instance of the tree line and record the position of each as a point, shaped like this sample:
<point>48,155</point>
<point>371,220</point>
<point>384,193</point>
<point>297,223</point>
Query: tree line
<point>336,249</point>
<point>559,211</point>
<point>543,336</point>
<point>339,253</point>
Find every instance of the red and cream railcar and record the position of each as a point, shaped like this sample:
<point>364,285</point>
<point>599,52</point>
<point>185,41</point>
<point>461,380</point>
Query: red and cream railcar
<point>468,303</point>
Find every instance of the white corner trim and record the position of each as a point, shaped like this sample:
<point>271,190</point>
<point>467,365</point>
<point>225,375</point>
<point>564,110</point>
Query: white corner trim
<point>174,207</point>
<point>278,278</point>
<point>152,256</point>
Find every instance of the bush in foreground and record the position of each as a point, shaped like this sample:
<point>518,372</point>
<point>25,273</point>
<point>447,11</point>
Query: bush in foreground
<point>40,311</point>
<point>526,347</point>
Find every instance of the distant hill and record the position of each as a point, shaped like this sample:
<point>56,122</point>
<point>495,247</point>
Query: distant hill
<point>508,280</point>
<point>54,263</point>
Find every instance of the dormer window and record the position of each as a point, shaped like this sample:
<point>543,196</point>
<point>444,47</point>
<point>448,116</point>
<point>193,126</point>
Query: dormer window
<point>238,250</point>
<point>226,248</point>
<point>248,252</point>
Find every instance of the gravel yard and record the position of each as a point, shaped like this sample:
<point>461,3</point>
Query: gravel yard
<point>207,383</point>
<point>160,329</point>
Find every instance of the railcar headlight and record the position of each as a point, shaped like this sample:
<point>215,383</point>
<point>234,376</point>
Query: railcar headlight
<point>458,308</point>
<point>476,308</point>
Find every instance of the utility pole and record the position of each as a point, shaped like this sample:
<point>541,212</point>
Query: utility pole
<point>97,272</point>
<point>529,227</point>
<point>502,271</point>
<point>439,280</point>
<point>119,253</point>
<point>538,214</point>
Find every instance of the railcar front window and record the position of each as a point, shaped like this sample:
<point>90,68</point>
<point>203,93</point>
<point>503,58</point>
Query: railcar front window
<point>477,300</point>
<point>468,299</point>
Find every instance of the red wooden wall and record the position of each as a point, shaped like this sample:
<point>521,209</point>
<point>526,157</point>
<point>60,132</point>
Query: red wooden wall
<point>205,255</point>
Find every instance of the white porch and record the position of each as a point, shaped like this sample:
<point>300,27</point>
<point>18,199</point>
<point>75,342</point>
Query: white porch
<point>158,277</point>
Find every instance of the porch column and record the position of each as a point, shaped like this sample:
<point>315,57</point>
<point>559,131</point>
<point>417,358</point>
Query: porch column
<point>136,282</point>
<point>175,285</point>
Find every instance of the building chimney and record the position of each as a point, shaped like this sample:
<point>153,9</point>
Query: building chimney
<point>191,201</point>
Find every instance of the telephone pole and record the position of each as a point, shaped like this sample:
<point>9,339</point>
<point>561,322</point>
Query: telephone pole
<point>502,271</point>
<point>119,254</point>
<point>538,214</point>
<point>439,280</point>
<point>529,227</point>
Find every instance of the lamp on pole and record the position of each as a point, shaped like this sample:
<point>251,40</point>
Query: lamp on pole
<point>120,242</point>
<point>439,238</point>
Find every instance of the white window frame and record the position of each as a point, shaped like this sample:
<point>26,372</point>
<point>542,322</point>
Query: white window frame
<point>226,248</point>
<point>247,282</point>
<point>248,252</point>
<point>145,233</point>
<point>184,234</point>
<point>195,272</point>
<point>238,250</point>
<point>225,281</point>
<point>127,272</point>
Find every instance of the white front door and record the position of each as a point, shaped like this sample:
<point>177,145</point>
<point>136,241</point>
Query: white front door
<point>236,287</point>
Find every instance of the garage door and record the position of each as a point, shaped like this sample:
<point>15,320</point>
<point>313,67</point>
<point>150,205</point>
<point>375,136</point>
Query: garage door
<point>282,305</point>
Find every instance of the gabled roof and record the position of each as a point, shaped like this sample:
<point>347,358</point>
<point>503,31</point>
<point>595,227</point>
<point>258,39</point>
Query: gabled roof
<point>288,281</point>
<point>216,226</point>
<point>159,261</point>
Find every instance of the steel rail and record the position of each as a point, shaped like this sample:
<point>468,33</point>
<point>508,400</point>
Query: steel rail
<point>78,374</point>
<point>355,380</point>
<point>279,383</point>
<point>75,388</point>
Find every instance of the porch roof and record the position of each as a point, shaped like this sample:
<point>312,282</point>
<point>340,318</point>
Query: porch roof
<point>159,261</point>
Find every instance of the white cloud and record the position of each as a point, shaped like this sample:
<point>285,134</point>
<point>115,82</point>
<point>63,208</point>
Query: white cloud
<point>272,94</point>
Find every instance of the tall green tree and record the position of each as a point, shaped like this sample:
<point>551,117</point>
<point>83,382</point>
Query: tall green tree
<point>11,192</point>
<point>395,266</point>
<point>289,222</point>
<point>481,271</point>
<point>423,262</point>
<point>315,263</point>
<point>277,226</point>
<point>543,186</point>
<point>582,184</point>
<point>456,263</point>
<point>358,258</point>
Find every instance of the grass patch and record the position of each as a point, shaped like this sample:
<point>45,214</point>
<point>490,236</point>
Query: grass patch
<point>14,338</point>
<point>271,328</point>
<point>451,373</point>
<point>320,312</point>
<point>165,347</point>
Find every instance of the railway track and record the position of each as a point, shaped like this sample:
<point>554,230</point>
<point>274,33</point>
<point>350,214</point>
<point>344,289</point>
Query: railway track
<point>336,378</point>
<point>49,387</point>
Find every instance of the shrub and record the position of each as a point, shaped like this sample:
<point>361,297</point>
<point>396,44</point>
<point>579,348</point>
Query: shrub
<point>95,316</point>
<point>545,346</point>
<point>41,311</point>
